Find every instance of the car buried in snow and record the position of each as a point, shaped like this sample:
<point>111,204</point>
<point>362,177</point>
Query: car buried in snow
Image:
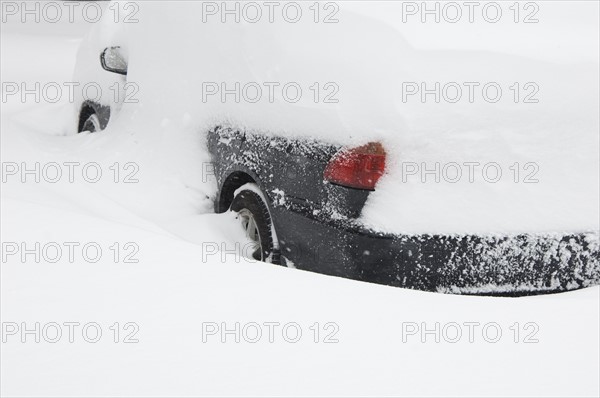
<point>299,201</point>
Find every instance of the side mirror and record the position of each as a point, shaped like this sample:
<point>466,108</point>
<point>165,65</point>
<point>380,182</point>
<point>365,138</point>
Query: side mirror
<point>112,60</point>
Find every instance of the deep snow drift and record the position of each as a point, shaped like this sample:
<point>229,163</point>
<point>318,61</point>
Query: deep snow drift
<point>171,292</point>
<point>506,144</point>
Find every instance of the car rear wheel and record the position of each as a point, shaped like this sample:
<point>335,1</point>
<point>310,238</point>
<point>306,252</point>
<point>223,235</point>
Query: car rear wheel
<point>255,219</point>
<point>91,124</point>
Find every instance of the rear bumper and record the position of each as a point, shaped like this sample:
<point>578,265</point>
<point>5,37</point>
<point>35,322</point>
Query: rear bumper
<point>465,264</point>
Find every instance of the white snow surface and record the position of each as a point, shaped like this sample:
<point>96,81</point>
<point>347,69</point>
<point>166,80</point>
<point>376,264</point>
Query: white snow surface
<point>554,143</point>
<point>171,291</point>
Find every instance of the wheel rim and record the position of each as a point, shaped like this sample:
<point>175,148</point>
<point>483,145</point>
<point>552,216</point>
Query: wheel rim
<point>251,229</point>
<point>92,124</point>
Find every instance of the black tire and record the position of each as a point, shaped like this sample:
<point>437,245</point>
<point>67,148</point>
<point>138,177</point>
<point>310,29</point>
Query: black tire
<point>92,123</point>
<point>249,202</point>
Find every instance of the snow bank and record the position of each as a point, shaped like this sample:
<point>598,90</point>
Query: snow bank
<point>549,148</point>
<point>548,345</point>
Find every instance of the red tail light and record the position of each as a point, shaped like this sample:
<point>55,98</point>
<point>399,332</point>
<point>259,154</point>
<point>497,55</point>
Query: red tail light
<point>357,167</point>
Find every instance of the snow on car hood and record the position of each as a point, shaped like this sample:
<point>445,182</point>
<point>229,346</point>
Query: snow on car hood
<point>527,162</point>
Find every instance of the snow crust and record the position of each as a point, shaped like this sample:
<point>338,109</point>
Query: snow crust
<point>553,142</point>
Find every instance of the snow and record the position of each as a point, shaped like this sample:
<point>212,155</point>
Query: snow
<point>171,293</point>
<point>544,146</point>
